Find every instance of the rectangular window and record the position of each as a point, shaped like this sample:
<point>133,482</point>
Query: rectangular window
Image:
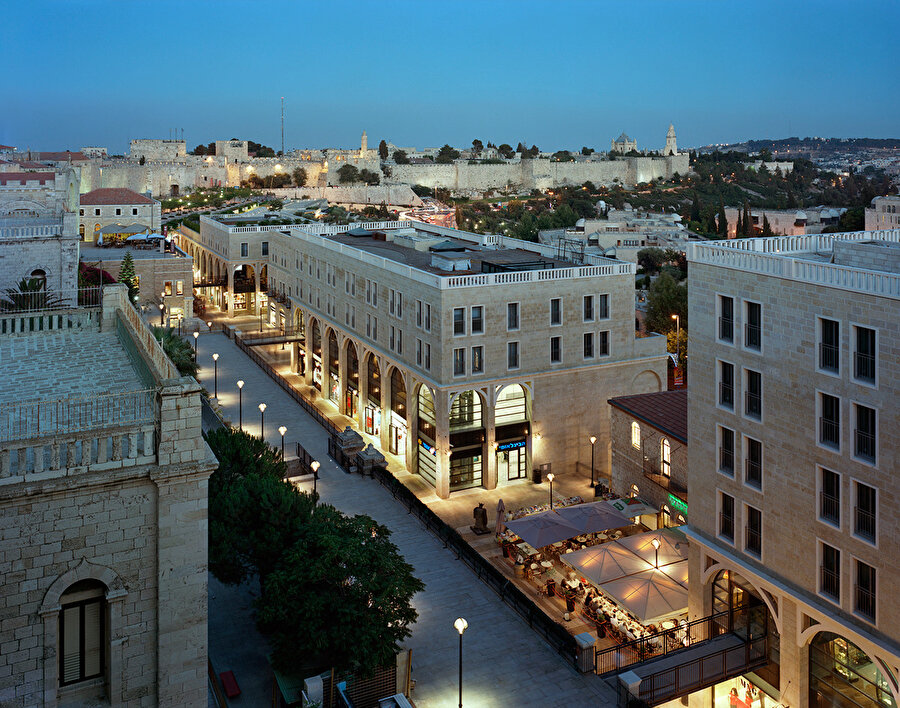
<point>829,345</point>
<point>81,641</point>
<point>167,287</point>
<point>399,341</point>
<point>265,248</point>
<point>81,212</point>
<point>418,352</point>
<point>753,394</point>
<point>374,328</point>
<point>726,385</point>
<point>427,317</point>
<point>512,355</point>
<point>459,321</point>
<point>588,308</point>
<point>555,350</point>
<point>477,360</point>
<point>459,362</point>
<point>512,316</point>
<point>392,337</point>
<point>347,283</point>
<point>418,313</point>
<point>346,313</point>
<point>830,421</point>
<point>96,212</point>
<point>726,318</point>
<point>427,357</point>
<point>603,307</point>
<point>368,291</point>
<point>134,211</point>
<point>864,436</point>
<point>726,451</point>
<point>864,592</point>
<point>245,250</point>
<point>830,497</point>
<point>726,516</point>
<point>753,532</point>
<point>399,304</point>
<point>477,319</point>
<point>754,463</point>
<point>603,343</point>
<point>864,513</point>
<point>830,580</point>
<point>588,345</point>
<point>179,287</point>
<point>556,311</point>
<point>392,301</point>
<point>118,212</point>
<point>753,326</point>
<point>864,355</point>
<point>374,294</point>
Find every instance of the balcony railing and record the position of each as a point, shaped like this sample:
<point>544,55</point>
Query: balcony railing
<point>752,336</point>
<point>829,357</point>
<point>753,540</point>
<point>829,432</point>
<point>753,473</point>
<point>831,583</point>
<point>864,523</point>
<point>45,301</point>
<point>829,508</point>
<point>726,460</point>
<point>864,366</point>
<point>726,329</point>
<point>726,394</point>
<point>726,526</point>
<point>753,404</point>
<point>864,445</point>
<point>864,601</point>
<point>654,474</point>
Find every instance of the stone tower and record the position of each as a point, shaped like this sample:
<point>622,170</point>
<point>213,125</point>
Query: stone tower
<point>363,145</point>
<point>671,147</point>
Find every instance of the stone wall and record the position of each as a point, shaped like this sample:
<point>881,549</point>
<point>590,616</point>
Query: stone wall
<point>874,255</point>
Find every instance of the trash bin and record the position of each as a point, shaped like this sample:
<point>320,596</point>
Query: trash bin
<point>584,652</point>
<point>536,475</point>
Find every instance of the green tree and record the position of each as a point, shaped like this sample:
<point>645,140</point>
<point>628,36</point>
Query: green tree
<point>739,228</point>
<point>383,150</point>
<point>506,150</point>
<point>128,277</point>
<point>142,161</point>
<point>651,259</point>
<point>748,221</point>
<point>477,146</point>
<point>299,175</point>
<point>563,156</point>
<point>446,154</point>
<point>766,227</point>
<point>177,349</point>
<point>587,151</point>
<point>348,174</point>
<point>665,298</point>
<point>695,207</point>
<point>276,205</point>
<point>400,157</point>
<point>369,177</point>
<point>199,150</point>
<point>723,220</point>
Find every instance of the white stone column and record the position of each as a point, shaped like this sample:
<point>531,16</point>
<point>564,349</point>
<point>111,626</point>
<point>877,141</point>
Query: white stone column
<point>442,443</point>
<point>229,291</point>
<point>489,468</point>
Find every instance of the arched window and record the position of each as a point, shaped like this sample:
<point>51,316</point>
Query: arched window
<point>81,232</point>
<point>842,674</point>
<point>40,275</point>
<point>82,632</point>
<point>665,457</point>
<point>636,436</point>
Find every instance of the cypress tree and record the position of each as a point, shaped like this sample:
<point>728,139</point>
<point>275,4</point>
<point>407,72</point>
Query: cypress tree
<point>748,222</point>
<point>695,208</point>
<point>739,229</point>
<point>723,220</point>
<point>767,227</point>
<point>127,276</point>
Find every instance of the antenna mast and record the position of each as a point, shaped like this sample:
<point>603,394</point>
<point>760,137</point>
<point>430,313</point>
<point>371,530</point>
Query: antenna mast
<point>282,126</point>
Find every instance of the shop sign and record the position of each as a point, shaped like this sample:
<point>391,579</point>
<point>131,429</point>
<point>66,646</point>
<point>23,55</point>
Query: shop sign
<point>678,504</point>
<point>431,448</point>
<point>510,445</point>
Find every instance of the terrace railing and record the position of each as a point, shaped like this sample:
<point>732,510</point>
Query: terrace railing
<point>16,304</point>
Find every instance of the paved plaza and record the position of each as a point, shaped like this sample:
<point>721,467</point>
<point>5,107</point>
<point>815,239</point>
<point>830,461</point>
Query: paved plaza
<point>505,662</point>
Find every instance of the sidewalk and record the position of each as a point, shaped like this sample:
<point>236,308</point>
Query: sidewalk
<point>505,663</point>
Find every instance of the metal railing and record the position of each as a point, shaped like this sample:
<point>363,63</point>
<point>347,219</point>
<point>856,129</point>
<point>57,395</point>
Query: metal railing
<point>752,336</point>
<point>14,302</point>
<point>864,601</point>
<point>829,356</point>
<point>726,460</point>
<point>864,445</point>
<point>864,523</point>
<point>829,432</point>
<point>864,366</point>
<point>726,526</point>
<point>726,394</point>
<point>753,404</point>
<point>726,329</point>
<point>753,473</point>
<point>831,583</point>
<point>753,540</point>
<point>829,508</point>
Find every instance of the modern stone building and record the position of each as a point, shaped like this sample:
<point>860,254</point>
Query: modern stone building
<point>648,435</point>
<point>103,511</point>
<point>473,358</point>
<point>101,211</point>
<point>884,213</point>
<point>792,463</point>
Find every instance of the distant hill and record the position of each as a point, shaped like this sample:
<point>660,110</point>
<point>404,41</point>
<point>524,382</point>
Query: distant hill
<point>809,148</point>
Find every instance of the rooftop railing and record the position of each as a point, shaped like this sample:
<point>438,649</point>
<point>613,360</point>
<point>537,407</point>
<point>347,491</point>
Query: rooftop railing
<point>14,303</point>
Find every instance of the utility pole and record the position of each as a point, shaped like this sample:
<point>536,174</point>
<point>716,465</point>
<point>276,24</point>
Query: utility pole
<point>282,126</point>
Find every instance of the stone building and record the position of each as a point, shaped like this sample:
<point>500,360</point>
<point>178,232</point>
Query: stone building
<point>103,510</point>
<point>623,144</point>
<point>648,433</point>
<point>792,463</point>
<point>102,209</point>
<point>884,213</point>
<point>156,149</point>
<point>473,358</point>
<point>787,222</point>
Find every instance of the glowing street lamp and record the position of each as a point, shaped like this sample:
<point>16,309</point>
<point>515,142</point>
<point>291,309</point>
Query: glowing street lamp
<point>282,430</point>
<point>162,309</point>
<point>655,543</point>
<point>461,625</point>
<point>314,466</point>
<point>262,421</point>
<point>593,439</point>
<point>550,479</point>
<point>240,385</point>
<point>196,343</point>
<point>677,339</point>
<point>216,376</point>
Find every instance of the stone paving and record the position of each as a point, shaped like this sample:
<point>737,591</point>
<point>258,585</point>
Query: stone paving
<point>505,662</point>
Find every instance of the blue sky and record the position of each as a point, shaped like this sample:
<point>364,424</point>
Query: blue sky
<point>559,74</point>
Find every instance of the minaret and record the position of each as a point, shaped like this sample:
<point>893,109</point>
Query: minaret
<point>671,147</point>
<point>363,145</point>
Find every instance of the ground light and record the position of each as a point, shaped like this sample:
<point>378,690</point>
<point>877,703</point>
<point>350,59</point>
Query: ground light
<point>461,625</point>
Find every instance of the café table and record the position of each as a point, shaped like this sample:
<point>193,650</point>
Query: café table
<point>527,549</point>
<point>668,624</point>
<point>547,564</point>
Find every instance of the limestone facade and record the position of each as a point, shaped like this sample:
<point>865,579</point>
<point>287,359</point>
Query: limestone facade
<point>155,149</point>
<point>823,427</point>
<point>104,517</point>
<point>884,213</point>
<point>100,208</point>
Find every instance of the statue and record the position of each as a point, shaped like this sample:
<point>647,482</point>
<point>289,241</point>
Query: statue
<point>479,513</point>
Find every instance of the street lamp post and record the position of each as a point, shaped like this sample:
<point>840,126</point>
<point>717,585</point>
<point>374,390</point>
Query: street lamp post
<point>314,466</point>
<point>677,339</point>
<point>593,440</point>
<point>240,385</point>
<point>216,376</point>
<point>460,626</point>
<point>550,479</point>
<point>196,344</point>
<point>282,430</point>
<point>162,309</point>
<point>262,421</point>
<point>655,543</point>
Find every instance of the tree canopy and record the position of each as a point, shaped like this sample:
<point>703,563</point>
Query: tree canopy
<point>666,297</point>
<point>128,277</point>
<point>446,154</point>
<point>299,175</point>
<point>383,150</point>
<point>400,157</point>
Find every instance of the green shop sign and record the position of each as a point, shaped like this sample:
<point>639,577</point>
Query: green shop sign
<point>678,503</point>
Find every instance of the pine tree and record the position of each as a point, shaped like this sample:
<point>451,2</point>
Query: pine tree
<point>739,229</point>
<point>767,227</point>
<point>723,220</point>
<point>127,276</point>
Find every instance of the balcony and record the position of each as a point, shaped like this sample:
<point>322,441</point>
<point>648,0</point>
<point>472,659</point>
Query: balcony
<point>279,297</point>
<point>753,473</point>
<point>831,583</point>
<point>830,432</point>
<point>726,461</point>
<point>864,523</point>
<point>864,445</point>
<point>829,357</point>
<point>752,336</point>
<point>726,329</point>
<point>829,508</point>
<point>753,404</point>
<point>726,526</point>
<point>655,475</point>
<point>726,394</point>
<point>864,601</point>
<point>753,540</point>
<point>864,367</point>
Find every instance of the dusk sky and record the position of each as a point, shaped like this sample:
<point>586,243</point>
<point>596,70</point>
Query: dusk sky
<point>557,74</point>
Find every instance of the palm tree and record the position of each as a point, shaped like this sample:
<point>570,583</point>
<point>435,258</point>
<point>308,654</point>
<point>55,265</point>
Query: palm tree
<point>30,295</point>
<point>178,350</point>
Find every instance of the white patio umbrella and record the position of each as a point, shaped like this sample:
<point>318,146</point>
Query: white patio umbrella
<point>137,237</point>
<point>594,517</point>
<point>642,545</point>
<point>651,596</point>
<point>604,563</point>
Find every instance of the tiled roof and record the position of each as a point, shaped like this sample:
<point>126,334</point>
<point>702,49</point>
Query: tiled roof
<point>113,195</point>
<point>41,177</point>
<point>666,411</point>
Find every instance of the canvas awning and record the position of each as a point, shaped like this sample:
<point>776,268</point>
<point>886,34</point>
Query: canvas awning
<point>672,547</point>
<point>594,517</point>
<point>541,530</point>
<point>651,596</point>
<point>632,506</point>
<point>606,562</point>
<point>120,229</point>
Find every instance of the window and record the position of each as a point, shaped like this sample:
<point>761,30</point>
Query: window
<point>477,360</point>
<point>418,313</point>
<point>829,345</point>
<point>830,497</point>
<point>864,436</point>
<point>864,513</point>
<point>392,301</point>
<point>588,308</point>
<point>512,355</point>
<point>265,248</point>
<point>399,304</point>
<point>81,633</point>
<point>96,212</point>
<point>167,287</point>
<point>427,317</point>
<point>830,572</point>
<point>512,316</point>
<point>588,345</point>
<point>371,326</point>
<point>864,355</point>
<point>392,337</point>
<point>635,436</point>
<point>477,319</point>
<point>726,319</point>
<point>726,451</point>
<point>556,311</point>
<point>726,385</point>
<point>428,357</point>
<point>134,211</point>
<point>753,326</point>
<point>555,350</point>
<point>753,532</point>
<point>864,592</point>
<point>418,352</point>
<point>399,341</point>
<point>459,321</point>
<point>118,211</point>
<point>753,394</point>
<point>603,307</point>
<point>459,362</point>
<point>829,421</point>
<point>665,457</point>
<point>245,250</point>
<point>603,344</point>
<point>754,462</point>
<point>81,212</point>
<point>726,516</point>
<point>179,287</point>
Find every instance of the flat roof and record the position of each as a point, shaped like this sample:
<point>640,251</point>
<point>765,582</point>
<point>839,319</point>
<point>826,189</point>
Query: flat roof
<point>98,253</point>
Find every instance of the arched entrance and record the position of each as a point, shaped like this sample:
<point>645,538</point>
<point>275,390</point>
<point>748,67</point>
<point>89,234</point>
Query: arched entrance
<point>398,430</point>
<point>841,675</point>
<point>467,439</point>
<point>512,428</point>
<point>372,417</point>
<point>334,369</point>
<point>316,348</point>
<point>351,398</point>
<point>426,449</point>
<point>244,285</point>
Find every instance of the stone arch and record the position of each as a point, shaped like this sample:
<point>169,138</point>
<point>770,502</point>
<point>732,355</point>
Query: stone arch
<point>24,207</point>
<point>29,272</point>
<point>889,672</point>
<point>526,387</point>
<point>85,570</point>
<point>482,400</point>
<point>710,574</point>
<point>646,381</point>
<point>397,399</point>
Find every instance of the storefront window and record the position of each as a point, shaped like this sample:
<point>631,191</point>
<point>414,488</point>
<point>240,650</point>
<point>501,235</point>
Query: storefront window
<point>465,413</point>
<point>465,470</point>
<point>510,406</point>
<point>841,675</point>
